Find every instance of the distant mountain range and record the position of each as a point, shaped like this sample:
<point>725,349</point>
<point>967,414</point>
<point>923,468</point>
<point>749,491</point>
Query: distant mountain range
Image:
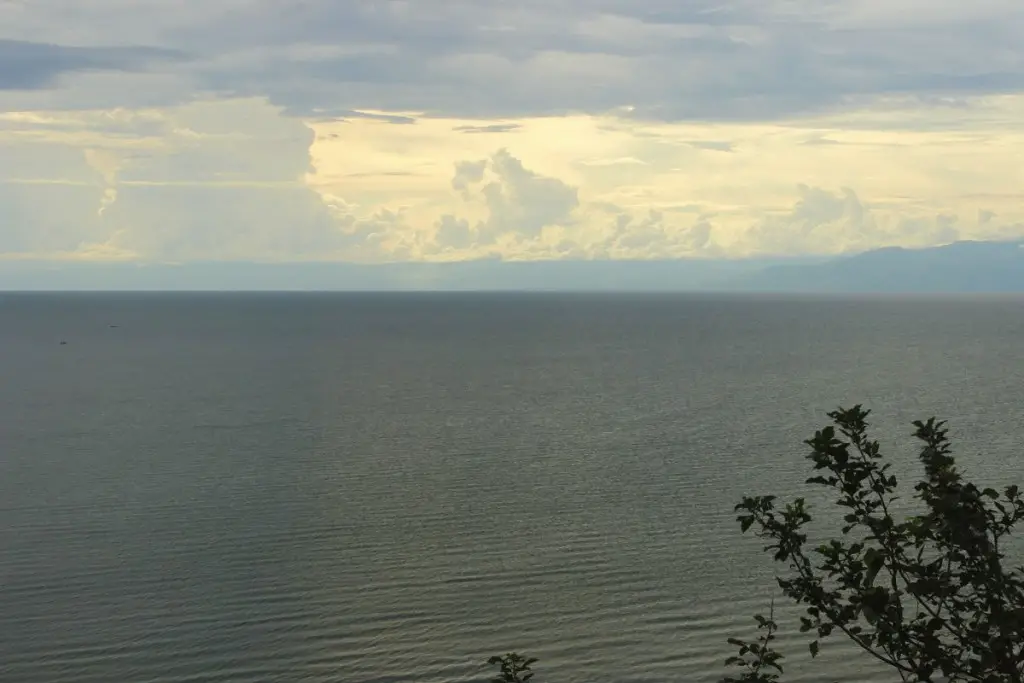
<point>482,275</point>
<point>961,267</point>
<point>995,267</point>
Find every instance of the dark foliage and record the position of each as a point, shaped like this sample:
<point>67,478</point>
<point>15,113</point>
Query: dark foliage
<point>930,596</point>
<point>514,669</point>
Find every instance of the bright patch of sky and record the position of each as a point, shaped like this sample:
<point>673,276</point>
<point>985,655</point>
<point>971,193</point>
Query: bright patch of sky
<point>438,130</point>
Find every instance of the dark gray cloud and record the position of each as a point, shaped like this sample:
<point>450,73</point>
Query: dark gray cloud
<point>694,60</point>
<point>30,66</point>
<point>700,59</point>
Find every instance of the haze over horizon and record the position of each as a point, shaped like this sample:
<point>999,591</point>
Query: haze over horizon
<point>458,130</point>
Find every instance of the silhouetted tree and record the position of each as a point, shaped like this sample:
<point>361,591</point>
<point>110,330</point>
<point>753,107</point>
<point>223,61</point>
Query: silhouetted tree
<point>930,596</point>
<point>514,669</point>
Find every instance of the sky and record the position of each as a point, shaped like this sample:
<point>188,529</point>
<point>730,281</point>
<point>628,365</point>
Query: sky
<point>161,131</point>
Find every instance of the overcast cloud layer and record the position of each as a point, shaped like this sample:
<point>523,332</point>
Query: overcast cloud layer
<point>452,129</point>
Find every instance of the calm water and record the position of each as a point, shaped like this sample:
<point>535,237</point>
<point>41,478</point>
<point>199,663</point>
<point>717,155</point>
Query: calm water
<point>368,489</point>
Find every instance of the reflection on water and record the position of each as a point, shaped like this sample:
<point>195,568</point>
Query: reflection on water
<point>392,488</point>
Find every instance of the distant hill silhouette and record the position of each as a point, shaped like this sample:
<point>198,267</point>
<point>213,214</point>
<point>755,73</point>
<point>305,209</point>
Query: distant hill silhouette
<point>961,267</point>
<point>678,275</point>
<point>966,267</point>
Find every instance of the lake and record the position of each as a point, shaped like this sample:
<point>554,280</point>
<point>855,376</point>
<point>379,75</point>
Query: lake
<point>393,487</point>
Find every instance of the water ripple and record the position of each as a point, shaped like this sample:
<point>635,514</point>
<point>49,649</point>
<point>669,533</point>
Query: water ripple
<point>386,498</point>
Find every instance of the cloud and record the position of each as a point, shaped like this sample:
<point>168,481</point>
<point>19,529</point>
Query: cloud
<point>190,223</point>
<point>366,130</point>
<point>523,202</point>
<point>206,181</point>
<point>519,203</point>
<point>382,236</point>
<point>653,236</point>
<point>35,218</point>
<point>831,222</point>
<point>31,66</point>
<point>454,232</point>
<point>241,180</point>
<point>713,145</point>
<point>824,222</point>
<point>41,213</point>
<point>376,116</point>
<point>490,128</point>
<point>699,60</point>
<point>468,173</point>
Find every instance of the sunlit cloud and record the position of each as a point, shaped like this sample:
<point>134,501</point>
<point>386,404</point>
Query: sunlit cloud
<point>465,129</point>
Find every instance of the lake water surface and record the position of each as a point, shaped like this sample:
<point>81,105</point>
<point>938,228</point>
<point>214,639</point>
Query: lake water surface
<point>384,488</point>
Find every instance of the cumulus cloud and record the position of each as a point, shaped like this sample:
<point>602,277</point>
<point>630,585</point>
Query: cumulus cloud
<point>833,222</point>
<point>239,180</point>
<point>468,173</point>
<point>825,222</point>
<point>36,219</point>
<point>207,181</point>
<point>519,203</point>
<point>194,223</point>
<point>40,213</point>
<point>655,235</point>
<point>527,215</point>
<point>454,232</point>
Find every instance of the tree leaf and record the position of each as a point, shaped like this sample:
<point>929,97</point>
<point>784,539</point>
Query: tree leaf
<point>873,560</point>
